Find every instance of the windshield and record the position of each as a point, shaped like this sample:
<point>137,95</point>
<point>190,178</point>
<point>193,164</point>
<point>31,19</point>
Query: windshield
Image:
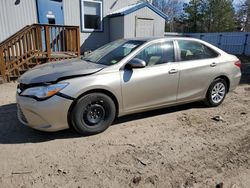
<point>113,52</point>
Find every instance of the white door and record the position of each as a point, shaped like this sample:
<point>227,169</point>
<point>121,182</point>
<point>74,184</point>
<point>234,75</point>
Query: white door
<point>144,27</point>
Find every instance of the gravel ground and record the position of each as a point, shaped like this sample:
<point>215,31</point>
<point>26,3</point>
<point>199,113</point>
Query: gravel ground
<point>175,147</point>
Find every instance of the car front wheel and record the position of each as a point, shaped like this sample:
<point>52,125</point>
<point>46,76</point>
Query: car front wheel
<point>216,92</point>
<point>93,113</point>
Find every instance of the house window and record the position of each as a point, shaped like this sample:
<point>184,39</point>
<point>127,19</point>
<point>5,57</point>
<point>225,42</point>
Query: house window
<point>91,15</point>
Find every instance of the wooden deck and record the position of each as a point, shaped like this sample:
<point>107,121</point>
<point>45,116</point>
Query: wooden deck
<point>37,44</point>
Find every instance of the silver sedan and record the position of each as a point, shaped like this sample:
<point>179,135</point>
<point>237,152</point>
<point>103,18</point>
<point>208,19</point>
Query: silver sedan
<point>124,77</point>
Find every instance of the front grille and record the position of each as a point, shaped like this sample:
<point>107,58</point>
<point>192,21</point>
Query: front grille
<point>20,115</point>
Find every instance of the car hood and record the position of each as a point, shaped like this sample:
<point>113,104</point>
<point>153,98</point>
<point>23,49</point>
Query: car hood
<point>58,70</point>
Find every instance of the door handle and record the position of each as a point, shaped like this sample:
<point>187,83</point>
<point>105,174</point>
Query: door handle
<point>173,71</point>
<point>213,64</point>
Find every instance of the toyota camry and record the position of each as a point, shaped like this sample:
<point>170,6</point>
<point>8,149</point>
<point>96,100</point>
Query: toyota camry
<point>124,77</point>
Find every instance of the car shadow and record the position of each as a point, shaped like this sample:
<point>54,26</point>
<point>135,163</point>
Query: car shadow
<point>245,79</point>
<point>13,132</point>
<point>152,113</point>
<point>245,70</point>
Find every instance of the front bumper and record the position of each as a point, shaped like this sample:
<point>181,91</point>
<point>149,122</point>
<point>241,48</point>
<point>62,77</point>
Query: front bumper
<point>49,115</point>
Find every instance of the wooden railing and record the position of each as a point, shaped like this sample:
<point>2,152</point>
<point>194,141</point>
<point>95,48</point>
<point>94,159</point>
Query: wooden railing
<point>36,44</point>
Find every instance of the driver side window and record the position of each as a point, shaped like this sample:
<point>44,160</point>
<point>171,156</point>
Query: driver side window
<point>157,54</point>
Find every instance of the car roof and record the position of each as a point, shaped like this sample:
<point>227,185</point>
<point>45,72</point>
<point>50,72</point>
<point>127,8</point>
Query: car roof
<point>147,39</point>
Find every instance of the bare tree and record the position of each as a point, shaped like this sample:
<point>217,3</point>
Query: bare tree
<point>247,14</point>
<point>172,8</point>
<point>243,14</point>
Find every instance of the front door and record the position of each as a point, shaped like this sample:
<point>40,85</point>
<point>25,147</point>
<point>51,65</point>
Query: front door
<point>154,85</point>
<point>50,12</point>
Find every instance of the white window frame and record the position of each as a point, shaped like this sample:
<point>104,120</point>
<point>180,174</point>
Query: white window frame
<point>82,16</point>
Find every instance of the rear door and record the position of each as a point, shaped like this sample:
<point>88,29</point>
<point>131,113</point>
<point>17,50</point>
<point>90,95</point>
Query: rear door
<point>198,67</point>
<point>154,85</point>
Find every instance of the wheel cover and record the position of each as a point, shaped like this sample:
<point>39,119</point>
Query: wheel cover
<point>218,92</point>
<point>94,114</point>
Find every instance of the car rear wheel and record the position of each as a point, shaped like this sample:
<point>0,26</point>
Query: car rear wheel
<point>216,92</point>
<point>93,113</point>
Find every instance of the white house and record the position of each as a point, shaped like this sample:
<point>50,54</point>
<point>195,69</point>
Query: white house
<point>100,21</point>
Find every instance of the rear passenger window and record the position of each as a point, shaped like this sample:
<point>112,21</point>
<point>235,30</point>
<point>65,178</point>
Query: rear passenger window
<point>157,54</point>
<point>191,50</point>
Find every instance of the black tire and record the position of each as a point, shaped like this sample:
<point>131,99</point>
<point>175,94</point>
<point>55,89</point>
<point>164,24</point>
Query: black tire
<point>209,99</point>
<point>93,113</point>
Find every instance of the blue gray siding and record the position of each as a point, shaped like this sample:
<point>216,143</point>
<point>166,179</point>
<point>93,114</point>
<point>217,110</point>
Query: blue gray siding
<point>116,28</point>
<point>92,40</point>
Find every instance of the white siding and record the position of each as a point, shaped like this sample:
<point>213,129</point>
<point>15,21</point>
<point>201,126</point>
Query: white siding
<point>15,17</point>
<point>113,5</point>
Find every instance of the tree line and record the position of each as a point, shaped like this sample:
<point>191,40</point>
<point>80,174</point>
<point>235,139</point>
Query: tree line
<point>205,15</point>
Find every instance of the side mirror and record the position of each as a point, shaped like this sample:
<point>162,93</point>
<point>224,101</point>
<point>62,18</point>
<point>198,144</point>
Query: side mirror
<point>137,63</point>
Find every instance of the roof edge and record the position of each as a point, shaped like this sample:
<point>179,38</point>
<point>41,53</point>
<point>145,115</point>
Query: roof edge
<point>137,7</point>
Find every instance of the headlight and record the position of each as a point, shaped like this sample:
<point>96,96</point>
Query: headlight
<point>42,92</point>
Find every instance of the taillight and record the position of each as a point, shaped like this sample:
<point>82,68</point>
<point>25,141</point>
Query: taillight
<point>237,63</point>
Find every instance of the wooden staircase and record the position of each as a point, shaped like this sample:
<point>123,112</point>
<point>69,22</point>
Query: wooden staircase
<point>36,44</point>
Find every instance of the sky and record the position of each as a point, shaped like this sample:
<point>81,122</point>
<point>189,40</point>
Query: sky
<point>235,2</point>
<point>238,2</point>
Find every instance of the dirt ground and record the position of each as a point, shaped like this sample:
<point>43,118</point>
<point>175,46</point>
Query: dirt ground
<point>173,147</point>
